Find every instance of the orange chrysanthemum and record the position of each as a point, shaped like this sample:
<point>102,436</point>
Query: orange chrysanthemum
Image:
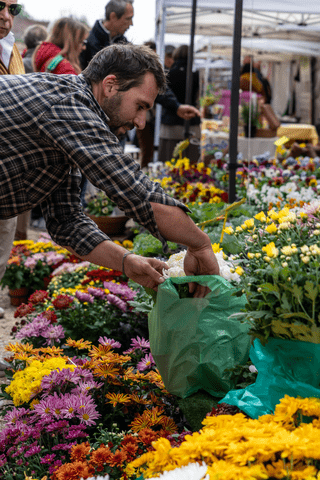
<point>115,398</point>
<point>106,370</point>
<point>100,456</point>
<point>79,452</point>
<point>147,436</point>
<point>73,471</point>
<point>118,458</point>
<point>79,344</point>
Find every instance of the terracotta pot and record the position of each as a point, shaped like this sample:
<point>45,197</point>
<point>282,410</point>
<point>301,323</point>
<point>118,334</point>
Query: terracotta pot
<point>19,296</point>
<point>110,225</point>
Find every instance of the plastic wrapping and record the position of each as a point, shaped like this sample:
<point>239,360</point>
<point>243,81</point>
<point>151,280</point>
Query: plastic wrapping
<point>285,367</point>
<point>193,341</point>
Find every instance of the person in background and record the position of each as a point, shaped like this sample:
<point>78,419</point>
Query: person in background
<point>172,126</point>
<point>67,123</point>
<point>251,79</point>
<point>168,56</point>
<point>10,64</point>
<point>60,53</point>
<point>33,36</point>
<point>118,18</point>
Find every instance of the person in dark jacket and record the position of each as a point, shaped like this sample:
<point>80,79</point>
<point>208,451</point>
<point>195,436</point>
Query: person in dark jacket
<point>172,125</point>
<point>33,36</point>
<point>118,18</point>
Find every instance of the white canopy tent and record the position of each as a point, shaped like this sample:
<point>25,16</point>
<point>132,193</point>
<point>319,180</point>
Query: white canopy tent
<point>280,20</point>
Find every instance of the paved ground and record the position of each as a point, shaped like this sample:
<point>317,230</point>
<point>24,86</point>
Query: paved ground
<point>8,321</point>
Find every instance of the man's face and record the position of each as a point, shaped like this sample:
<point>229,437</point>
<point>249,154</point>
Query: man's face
<point>127,110</point>
<point>6,19</point>
<point>122,24</point>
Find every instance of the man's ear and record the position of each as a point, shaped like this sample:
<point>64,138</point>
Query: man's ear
<point>110,85</point>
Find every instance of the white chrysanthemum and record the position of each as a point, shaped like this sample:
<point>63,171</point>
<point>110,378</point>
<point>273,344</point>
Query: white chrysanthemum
<point>176,267</point>
<point>193,471</point>
<point>98,478</point>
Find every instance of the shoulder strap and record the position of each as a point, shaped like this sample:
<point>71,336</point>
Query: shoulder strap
<point>54,63</point>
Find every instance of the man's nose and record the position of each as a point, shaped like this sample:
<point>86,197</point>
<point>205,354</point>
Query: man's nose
<point>5,15</point>
<point>140,120</point>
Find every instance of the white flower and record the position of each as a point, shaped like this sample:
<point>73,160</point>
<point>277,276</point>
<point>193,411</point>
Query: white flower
<point>176,267</point>
<point>98,478</point>
<point>193,471</point>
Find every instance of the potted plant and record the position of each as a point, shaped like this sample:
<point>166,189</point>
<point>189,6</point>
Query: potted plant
<point>250,116</point>
<point>210,97</point>
<point>17,278</point>
<point>103,212</point>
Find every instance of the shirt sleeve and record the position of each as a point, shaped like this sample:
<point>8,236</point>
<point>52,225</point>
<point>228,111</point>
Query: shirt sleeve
<point>77,127</point>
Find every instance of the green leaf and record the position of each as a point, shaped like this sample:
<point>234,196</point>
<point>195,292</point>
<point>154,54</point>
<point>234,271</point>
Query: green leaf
<point>270,288</point>
<point>312,290</point>
<point>298,315</point>
<point>298,292</point>
<point>285,304</point>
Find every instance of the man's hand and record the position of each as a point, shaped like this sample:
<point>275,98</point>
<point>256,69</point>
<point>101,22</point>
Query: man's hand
<point>200,262</point>
<point>145,271</point>
<point>187,112</point>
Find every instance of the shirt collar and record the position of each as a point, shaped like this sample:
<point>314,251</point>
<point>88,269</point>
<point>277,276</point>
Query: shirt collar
<point>7,47</point>
<point>103,27</point>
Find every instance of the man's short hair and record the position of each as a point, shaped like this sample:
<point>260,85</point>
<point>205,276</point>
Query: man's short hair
<point>116,6</point>
<point>129,63</point>
<point>168,50</point>
<point>34,35</point>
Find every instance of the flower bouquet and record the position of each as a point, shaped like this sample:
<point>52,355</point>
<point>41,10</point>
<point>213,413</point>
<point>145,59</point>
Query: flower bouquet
<point>281,263</point>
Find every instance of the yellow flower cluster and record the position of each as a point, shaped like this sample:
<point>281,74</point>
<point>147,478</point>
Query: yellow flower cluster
<point>41,247</point>
<point>27,383</point>
<point>235,447</point>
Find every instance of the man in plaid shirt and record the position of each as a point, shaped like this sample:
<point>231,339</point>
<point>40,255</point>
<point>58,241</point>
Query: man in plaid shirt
<point>52,126</point>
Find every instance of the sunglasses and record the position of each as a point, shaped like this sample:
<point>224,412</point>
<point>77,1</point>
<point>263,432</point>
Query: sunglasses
<point>14,9</point>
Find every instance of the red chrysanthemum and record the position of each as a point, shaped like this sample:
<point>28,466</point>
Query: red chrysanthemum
<point>50,315</point>
<point>23,310</point>
<point>62,302</point>
<point>39,296</point>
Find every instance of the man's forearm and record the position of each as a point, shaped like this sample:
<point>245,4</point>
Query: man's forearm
<point>107,254</point>
<point>176,226</point>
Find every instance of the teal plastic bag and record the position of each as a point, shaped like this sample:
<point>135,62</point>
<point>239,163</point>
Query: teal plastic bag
<point>193,341</point>
<point>285,367</point>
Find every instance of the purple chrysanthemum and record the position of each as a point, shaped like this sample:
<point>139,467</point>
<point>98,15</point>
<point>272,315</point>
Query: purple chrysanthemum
<point>47,459</point>
<point>146,362</point>
<point>84,297</point>
<point>97,292</point>
<point>109,341</point>
<point>114,300</point>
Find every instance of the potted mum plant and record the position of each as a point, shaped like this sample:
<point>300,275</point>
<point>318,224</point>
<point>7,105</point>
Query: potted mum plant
<point>281,263</point>
<point>250,115</point>
<point>17,278</point>
<point>103,212</point>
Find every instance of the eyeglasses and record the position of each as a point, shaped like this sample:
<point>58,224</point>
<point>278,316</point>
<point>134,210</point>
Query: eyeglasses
<point>14,9</point>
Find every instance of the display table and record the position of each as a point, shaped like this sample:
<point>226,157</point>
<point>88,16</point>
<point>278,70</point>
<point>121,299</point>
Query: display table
<point>249,147</point>
<point>299,132</point>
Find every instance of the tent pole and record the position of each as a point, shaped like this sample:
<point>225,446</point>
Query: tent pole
<point>160,33</point>
<point>188,97</point>
<point>234,108</point>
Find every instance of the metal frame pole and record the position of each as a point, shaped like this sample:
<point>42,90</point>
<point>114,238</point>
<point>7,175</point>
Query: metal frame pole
<point>234,110</point>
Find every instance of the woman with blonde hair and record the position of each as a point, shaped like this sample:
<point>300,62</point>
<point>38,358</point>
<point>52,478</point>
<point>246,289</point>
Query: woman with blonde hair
<point>59,54</point>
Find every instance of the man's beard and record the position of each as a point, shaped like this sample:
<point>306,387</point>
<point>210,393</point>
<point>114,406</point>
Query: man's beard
<point>112,108</point>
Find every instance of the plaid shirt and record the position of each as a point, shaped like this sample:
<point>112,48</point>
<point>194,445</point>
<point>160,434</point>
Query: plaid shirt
<point>52,126</point>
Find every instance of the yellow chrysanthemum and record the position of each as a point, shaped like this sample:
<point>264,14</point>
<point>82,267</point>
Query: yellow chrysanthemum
<point>271,250</point>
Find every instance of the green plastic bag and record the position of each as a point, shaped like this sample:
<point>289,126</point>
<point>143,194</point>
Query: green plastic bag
<point>193,341</point>
<point>285,367</point>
